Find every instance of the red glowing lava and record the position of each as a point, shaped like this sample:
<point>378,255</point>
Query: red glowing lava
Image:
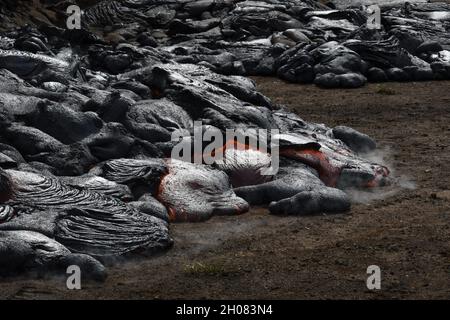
<point>316,159</point>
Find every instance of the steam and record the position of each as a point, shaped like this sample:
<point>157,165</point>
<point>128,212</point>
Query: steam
<point>399,182</point>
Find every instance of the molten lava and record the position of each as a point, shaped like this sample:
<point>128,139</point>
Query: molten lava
<point>316,159</point>
<point>381,174</point>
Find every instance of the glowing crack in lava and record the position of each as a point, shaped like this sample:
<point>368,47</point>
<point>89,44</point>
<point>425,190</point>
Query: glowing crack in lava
<point>337,172</point>
<point>316,159</point>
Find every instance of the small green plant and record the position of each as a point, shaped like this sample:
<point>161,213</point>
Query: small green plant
<point>206,269</point>
<point>381,89</point>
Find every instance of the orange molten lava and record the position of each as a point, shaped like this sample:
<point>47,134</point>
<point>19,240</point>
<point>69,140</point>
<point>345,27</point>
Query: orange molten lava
<point>170,210</point>
<point>316,159</point>
<point>380,174</point>
<point>174,215</point>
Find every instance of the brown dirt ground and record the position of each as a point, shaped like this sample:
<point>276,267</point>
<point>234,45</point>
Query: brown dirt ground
<point>266,257</point>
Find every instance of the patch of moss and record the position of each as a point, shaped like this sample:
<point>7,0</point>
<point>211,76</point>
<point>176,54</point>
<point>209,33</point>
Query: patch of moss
<point>205,269</point>
<point>384,90</point>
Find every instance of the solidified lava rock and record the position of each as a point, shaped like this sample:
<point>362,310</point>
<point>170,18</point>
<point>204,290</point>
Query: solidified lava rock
<point>88,117</point>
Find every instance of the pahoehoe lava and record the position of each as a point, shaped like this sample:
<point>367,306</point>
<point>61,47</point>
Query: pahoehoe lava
<point>87,116</point>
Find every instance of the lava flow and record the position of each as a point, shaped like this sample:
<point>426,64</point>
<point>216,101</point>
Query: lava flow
<point>316,159</point>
